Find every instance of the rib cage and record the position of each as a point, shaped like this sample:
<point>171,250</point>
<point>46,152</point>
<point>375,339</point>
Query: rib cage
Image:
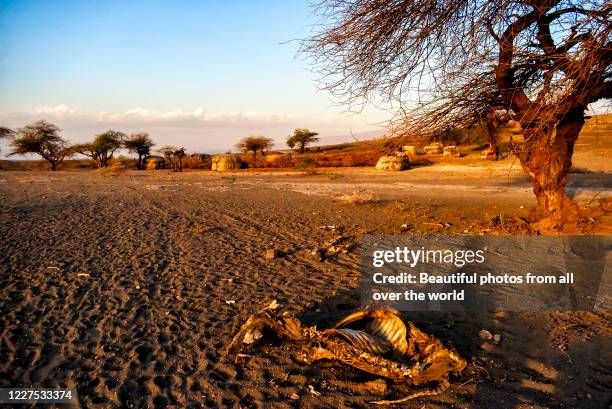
<point>385,324</point>
<point>384,348</point>
<point>364,341</point>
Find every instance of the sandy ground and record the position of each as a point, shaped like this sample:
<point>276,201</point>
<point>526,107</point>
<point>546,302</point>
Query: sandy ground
<point>119,286</point>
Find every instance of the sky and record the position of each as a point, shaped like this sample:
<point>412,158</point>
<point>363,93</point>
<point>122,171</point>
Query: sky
<point>199,74</point>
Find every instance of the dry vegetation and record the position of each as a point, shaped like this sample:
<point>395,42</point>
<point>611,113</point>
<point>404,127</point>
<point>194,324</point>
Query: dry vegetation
<point>359,197</point>
<point>595,140</point>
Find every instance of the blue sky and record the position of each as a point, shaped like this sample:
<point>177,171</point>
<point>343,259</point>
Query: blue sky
<point>197,73</point>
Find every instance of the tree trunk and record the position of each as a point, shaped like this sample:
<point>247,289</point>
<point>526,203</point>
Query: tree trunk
<point>546,155</point>
<point>302,147</point>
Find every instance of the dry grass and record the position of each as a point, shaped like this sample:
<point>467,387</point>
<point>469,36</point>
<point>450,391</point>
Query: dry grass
<point>116,168</point>
<point>347,159</point>
<point>321,159</point>
<point>69,164</point>
<point>358,198</point>
<point>74,164</point>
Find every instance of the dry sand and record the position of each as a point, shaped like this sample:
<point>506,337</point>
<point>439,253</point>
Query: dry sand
<point>119,286</point>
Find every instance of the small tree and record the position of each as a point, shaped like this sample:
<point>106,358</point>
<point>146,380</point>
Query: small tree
<point>141,144</point>
<point>179,154</point>
<point>291,142</point>
<point>255,144</point>
<point>168,152</point>
<point>175,156</point>
<point>41,138</point>
<point>265,143</point>
<point>101,150</point>
<point>302,137</point>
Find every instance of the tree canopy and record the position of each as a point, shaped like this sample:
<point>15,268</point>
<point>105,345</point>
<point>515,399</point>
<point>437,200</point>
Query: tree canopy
<point>173,155</point>
<point>302,137</point>
<point>141,144</point>
<point>103,147</point>
<point>446,62</point>
<point>41,138</point>
<point>255,144</point>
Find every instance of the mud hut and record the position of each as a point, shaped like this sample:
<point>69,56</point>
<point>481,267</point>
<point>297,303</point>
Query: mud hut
<point>397,162</point>
<point>222,163</point>
<point>155,162</point>
<point>433,148</point>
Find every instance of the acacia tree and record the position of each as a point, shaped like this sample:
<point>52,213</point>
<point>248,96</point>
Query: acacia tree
<point>168,152</point>
<point>141,144</point>
<point>175,156</point>
<point>255,144</point>
<point>41,138</point>
<point>103,147</point>
<point>450,63</point>
<point>301,137</point>
<point>179,154</point>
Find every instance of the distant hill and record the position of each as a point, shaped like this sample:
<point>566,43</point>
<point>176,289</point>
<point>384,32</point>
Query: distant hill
<point>355,137</point>
<point>596,135</point>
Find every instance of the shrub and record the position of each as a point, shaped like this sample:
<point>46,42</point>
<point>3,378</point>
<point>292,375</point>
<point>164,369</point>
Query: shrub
<point>283,161</point>
<point>306,164</point>
<point>347,159</point>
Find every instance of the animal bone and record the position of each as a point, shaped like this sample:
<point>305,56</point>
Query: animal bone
<point>379,343</point>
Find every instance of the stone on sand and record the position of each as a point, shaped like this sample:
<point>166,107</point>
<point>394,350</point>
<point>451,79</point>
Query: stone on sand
<point>271,254</point>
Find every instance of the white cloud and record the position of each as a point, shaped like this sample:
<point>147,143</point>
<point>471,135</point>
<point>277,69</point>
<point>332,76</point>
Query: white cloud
<point>58,111</point>
<point>197,114</point>
<point>196,130</point>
